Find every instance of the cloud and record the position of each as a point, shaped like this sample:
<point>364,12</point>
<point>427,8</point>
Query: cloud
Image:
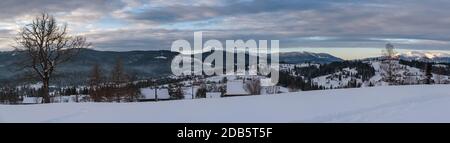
<point>174,12</point>
<point>14,8</point>
<point>154,24</point>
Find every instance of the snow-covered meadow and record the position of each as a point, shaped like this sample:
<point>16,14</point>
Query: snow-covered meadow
<point>416,103</point>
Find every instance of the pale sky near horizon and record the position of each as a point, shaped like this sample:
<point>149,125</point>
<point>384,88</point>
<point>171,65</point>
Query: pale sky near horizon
<point>349,29</point>
<point>358,53</point>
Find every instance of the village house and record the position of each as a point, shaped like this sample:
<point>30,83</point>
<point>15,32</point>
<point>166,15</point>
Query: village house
<point>150,94</point>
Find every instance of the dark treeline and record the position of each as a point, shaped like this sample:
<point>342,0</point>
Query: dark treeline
<point>300,78</point>
<point>442,70</point>
<point>9,95</point>
<point>15,95</point>
<point>118,86</point>
<point>364,70</point>
<point>296,82</point>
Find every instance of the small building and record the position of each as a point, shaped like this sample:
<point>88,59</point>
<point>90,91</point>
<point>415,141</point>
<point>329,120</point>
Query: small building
<point>32,100</point>
<point>213,95</point>
<point>236,88</point>
<point>270,90</point>
<point>148,94</point>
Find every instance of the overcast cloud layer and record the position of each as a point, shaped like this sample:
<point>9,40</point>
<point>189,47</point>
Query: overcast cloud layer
<point>153,24</point>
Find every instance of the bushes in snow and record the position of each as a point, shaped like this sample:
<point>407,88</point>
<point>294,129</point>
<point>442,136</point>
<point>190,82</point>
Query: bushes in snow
<point>253,86</point>
<point>9,95</point>
<point>201,92</point>
<point>118,88</point>
<point>176,91</point>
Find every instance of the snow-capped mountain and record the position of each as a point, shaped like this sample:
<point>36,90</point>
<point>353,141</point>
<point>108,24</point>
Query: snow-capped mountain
<point>419,55</point>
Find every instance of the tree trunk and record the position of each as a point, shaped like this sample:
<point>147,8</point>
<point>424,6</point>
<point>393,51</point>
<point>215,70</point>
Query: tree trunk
<point>45,90</point>
<point>156,94</point>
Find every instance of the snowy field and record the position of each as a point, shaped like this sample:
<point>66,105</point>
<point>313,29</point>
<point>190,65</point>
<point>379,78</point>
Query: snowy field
<point>419,103</point>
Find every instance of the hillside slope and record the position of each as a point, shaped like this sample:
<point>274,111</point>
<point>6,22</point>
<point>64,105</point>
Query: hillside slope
<point>419,103</point>
<point>142,64</point>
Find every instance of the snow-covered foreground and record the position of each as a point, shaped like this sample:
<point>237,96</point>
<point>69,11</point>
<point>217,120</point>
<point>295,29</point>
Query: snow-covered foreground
<point>420,103</point>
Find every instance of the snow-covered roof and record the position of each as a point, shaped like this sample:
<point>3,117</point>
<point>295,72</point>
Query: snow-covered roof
<point>235,88</point>
<point>213,95</point>
<point>32,100</point>
<point>440,65</point>
<point>149,93</point>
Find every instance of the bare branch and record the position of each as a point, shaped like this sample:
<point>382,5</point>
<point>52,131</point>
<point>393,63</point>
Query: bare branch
<point>46,45</point>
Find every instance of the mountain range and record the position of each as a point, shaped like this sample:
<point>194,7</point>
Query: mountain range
<point>425,56</point>
<point>147,64</point>
<point>143,64</point>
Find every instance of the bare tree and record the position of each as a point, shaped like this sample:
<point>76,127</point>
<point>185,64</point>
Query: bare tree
<point>389,52</point>
<point>118,74</point>
<point>47,45</point>
<point>95,83</point>
<point>123,87</point>
<point>439,75</point>
<point>96,77</point>
<point>390,69</point>
<point>253,87</point>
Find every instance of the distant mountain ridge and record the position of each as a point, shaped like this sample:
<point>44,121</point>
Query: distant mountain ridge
<point>142,64</point>
<point>437,57</point>
<point>294,57</point>
<point>422,56</point>
<point>302,57</point>
<point>139,63</point>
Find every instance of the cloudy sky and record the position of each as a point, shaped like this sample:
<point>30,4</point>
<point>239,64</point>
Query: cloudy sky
<point>348,28</point>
